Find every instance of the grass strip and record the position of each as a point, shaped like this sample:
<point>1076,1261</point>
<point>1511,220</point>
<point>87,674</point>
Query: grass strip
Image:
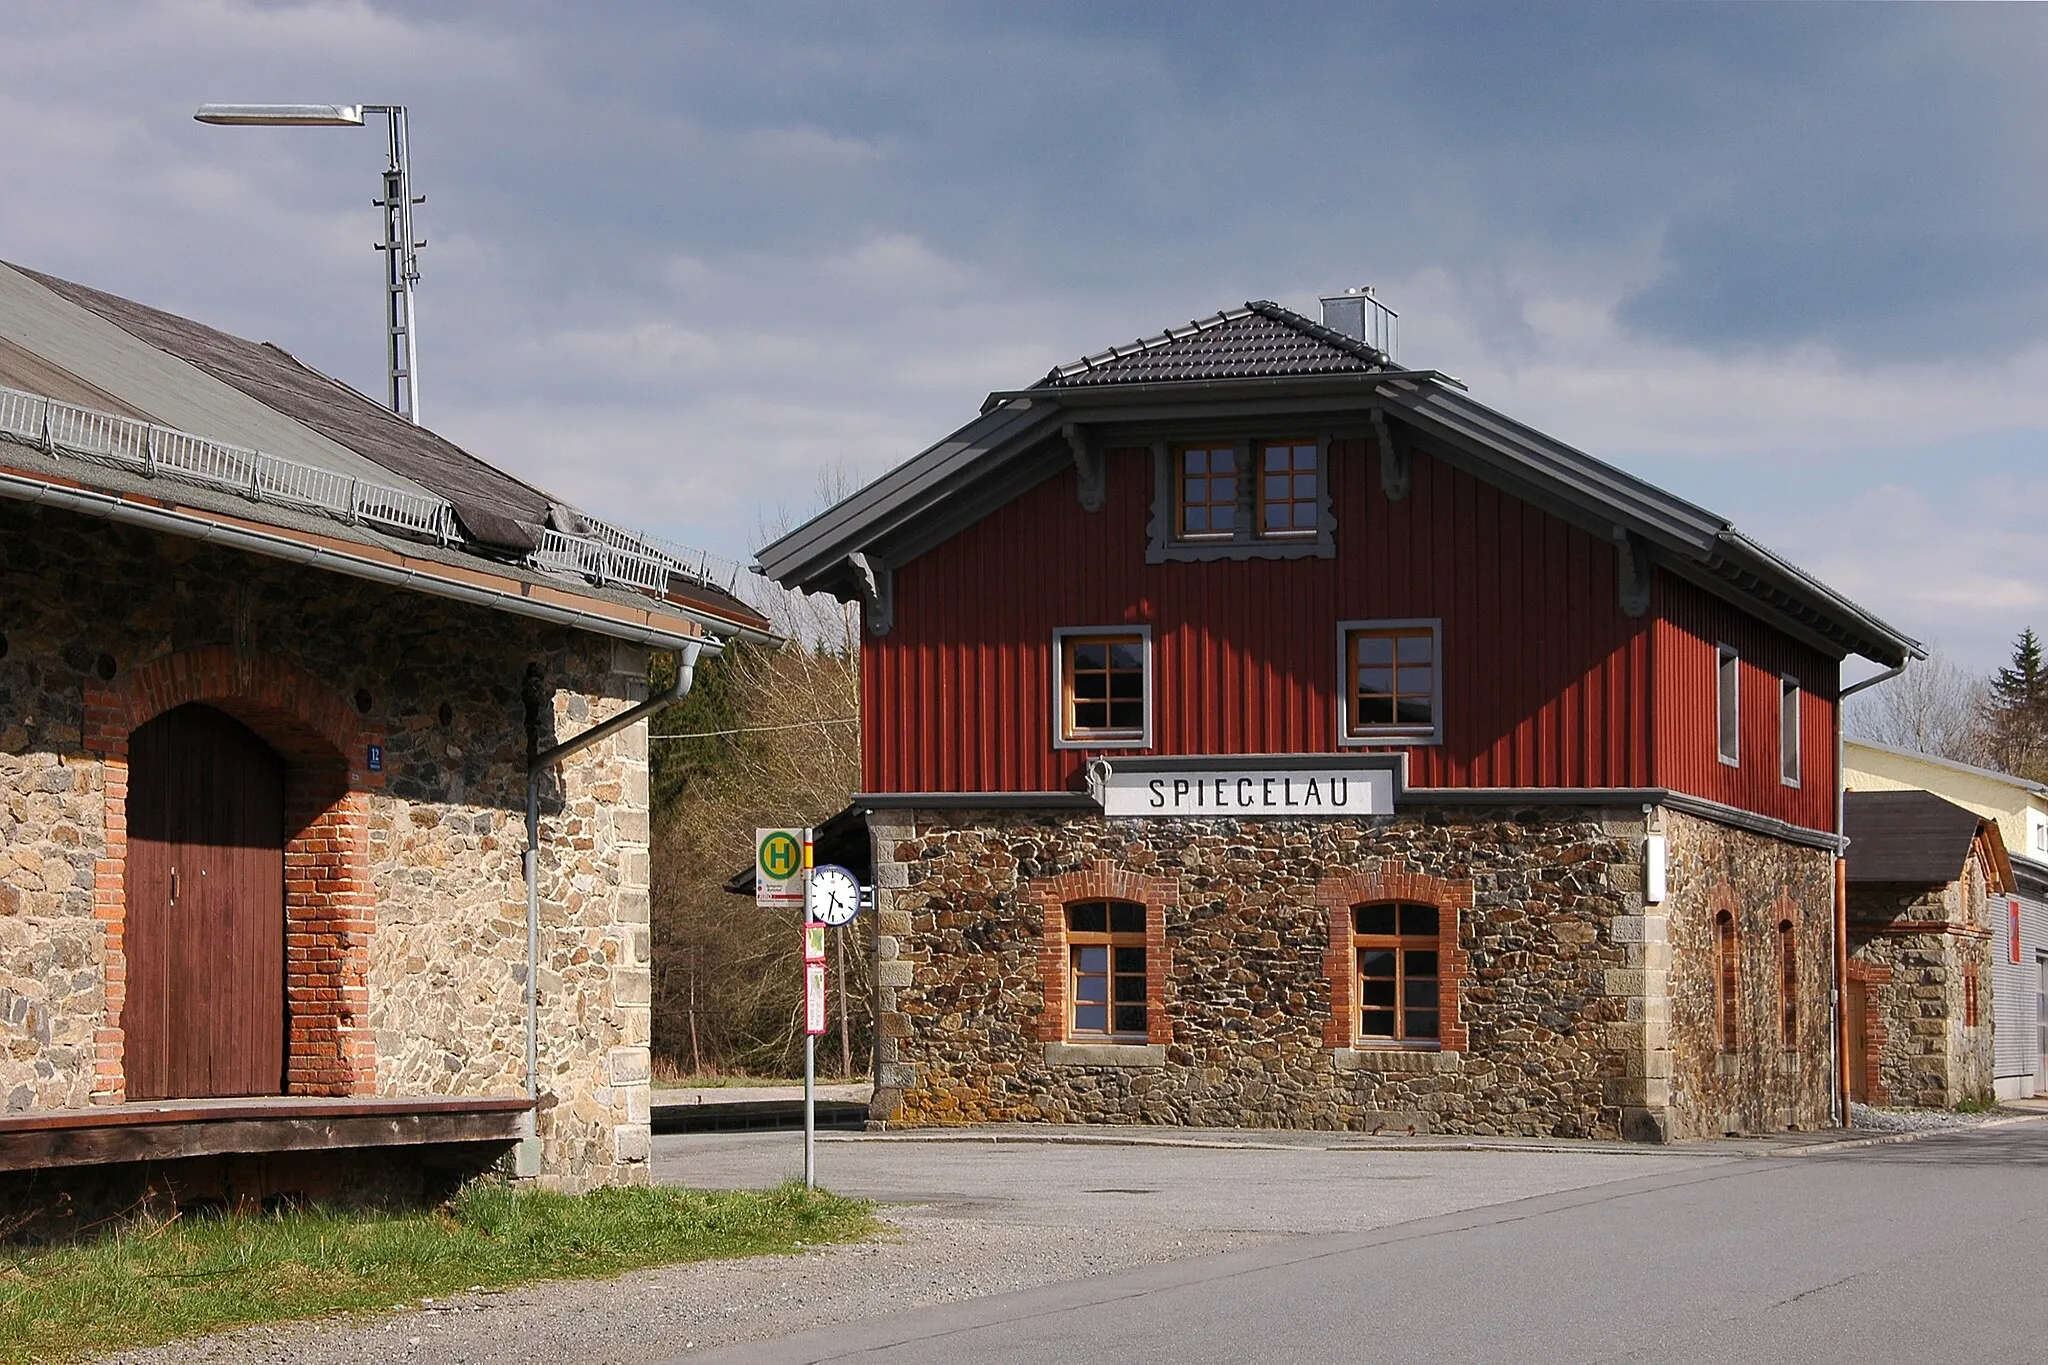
<point>154,1281</point>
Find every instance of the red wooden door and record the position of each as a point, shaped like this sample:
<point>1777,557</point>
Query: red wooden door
<point>205,890</point>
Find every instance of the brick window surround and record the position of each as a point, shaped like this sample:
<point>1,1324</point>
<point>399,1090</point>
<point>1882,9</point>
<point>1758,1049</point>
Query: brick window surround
<point>329,904</point>
<point>1102,882</point>
<point>1392,882</point>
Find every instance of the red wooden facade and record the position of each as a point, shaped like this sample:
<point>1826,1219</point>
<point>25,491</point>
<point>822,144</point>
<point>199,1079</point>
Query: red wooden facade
<point>1547,682</point>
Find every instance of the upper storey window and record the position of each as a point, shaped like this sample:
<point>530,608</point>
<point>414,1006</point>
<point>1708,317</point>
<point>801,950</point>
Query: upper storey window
<point>1242,499</point>
<point>1392,685</point>
<point>1208,492</point>
<point>1103,688</point>
<point>1289,488</point>
<point>1728,704</point>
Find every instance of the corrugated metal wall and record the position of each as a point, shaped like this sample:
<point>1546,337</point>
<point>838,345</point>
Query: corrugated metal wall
<point>1692,625</point>
<point>2016,1025</point>
<point>1546,682</point>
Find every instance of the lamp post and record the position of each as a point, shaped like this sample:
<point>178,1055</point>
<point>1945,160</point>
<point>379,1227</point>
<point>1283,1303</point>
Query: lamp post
<point>401,252</point>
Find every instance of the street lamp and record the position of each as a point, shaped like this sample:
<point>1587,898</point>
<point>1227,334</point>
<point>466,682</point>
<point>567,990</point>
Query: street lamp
<point>401,252</point>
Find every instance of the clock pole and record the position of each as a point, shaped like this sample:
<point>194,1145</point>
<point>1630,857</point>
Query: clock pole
<point>810,1038</point>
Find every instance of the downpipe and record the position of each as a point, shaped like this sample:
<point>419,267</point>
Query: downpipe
<point>527,1158</point>
<point>1838,1032</point>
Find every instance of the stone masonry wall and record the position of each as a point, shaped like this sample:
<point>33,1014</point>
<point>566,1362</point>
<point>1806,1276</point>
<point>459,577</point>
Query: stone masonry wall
<point>1547,911</point>
<point>1767,1082</point>
<point>1916,948</point>
<point>438,946</point>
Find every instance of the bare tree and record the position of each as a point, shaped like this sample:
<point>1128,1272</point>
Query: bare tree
<point>771,737</point>
<point>1934,707</point>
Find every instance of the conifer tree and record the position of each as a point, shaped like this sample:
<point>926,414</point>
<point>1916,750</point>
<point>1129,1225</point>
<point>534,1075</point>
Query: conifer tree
<point>2017,710</point>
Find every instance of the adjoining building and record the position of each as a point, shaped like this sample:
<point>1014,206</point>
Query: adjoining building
<point>2018,914</point>
<point>1256,732</point>
<point>1923,874</point>
<point>274,664</point>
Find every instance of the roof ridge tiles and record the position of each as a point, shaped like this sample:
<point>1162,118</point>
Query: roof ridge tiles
<point>1277,343</point>
<point>1196,326</point>
<point>1309,327</point>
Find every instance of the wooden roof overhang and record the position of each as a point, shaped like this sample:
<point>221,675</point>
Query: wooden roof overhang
<point>1025,436</point>
<point>171,1129</point>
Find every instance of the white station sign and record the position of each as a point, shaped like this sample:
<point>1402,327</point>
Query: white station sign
<point>1296,793</point>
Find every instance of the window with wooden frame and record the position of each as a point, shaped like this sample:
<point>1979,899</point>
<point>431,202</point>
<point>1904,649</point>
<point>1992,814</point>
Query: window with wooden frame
<point>1398,977</point>
<point>1970,995</point>
<point>1391,690</point>
<point>1788,985</point>
<point>1106,971</point>
<point>1728,707</point>
<point>1788,730</point>
<point>1103,687</point>
<point>1205,492</point>
<point>1727,979</point>
<point>1290,503</point>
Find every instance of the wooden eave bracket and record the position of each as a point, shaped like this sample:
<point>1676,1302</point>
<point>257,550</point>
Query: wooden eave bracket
<point>1090,477</point>
<point>1396,474</point>
<point>1632,572</point>
<point>877,588</point>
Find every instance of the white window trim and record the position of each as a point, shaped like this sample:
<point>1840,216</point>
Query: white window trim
<point>1788,683</point>
<point>1723,655</point>
<point>1060,636</point>
<point>1392,734</point>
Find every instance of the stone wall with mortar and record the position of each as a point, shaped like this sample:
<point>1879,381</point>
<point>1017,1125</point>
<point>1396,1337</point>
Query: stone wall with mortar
<point>1548,919</point>
<point>440,943</point>
<point>1916,949</point>
<point>1767,1082</point>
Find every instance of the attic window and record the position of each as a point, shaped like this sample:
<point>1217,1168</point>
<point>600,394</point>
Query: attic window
<point>1205,489</point>
<point>1244,499</point>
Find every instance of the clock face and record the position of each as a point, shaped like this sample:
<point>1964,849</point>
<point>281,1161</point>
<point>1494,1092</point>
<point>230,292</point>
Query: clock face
<point>833,896</point>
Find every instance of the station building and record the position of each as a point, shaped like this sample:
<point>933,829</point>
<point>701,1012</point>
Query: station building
<point>1257,732</point>
<point>275,664</point>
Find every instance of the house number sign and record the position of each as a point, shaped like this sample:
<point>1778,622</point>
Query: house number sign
<point>1287,793</point>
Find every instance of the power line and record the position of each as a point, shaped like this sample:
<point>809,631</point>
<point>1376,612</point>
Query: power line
<point>763,729</point>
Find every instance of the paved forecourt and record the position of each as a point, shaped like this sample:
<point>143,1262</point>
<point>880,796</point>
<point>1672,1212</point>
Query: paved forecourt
<point>1919,1251</point>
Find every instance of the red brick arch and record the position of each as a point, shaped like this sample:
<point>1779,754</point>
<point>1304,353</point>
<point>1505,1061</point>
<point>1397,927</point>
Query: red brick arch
<point>1103,882</point>
<point>330,906</point>
<point>1394,881</point>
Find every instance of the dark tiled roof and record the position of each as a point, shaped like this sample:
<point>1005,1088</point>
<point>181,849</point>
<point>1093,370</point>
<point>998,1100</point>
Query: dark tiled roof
<point>1260,340</point>
<point>496,509</point>
<point>1907,837</point>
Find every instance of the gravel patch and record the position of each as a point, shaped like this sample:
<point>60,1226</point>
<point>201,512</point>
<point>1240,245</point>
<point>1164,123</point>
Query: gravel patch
<point>653,1315</point>
<point>1868,1118</point>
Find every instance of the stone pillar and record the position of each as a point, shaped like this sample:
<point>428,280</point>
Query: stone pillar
<point>1642,1038</point>
<point>629,1064</point>
<point>888,831</point>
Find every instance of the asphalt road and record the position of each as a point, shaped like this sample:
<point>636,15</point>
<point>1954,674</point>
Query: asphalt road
<point>1930,1251</point>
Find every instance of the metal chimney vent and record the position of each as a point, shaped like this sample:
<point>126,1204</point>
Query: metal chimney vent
<point>1360,316</point>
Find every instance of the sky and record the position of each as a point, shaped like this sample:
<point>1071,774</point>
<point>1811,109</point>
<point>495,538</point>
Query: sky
<point>692,266</point>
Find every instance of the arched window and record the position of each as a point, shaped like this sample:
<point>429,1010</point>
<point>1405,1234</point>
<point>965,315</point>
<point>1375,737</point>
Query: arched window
<point>1726,979</point>
<point>1106,970</point>
<point>1788,985</point>
<point>1398,999</point>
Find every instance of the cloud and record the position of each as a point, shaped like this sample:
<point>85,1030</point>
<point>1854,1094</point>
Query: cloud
<point>683,258</point>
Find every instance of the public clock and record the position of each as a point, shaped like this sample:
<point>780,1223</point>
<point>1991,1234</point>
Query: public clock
<point>833,896</point>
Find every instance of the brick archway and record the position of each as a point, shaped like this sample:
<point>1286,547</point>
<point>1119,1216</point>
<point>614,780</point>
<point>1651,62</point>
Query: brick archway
<point>330,908</point>
<point>1394,882</point>
<point>1103,881</point>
